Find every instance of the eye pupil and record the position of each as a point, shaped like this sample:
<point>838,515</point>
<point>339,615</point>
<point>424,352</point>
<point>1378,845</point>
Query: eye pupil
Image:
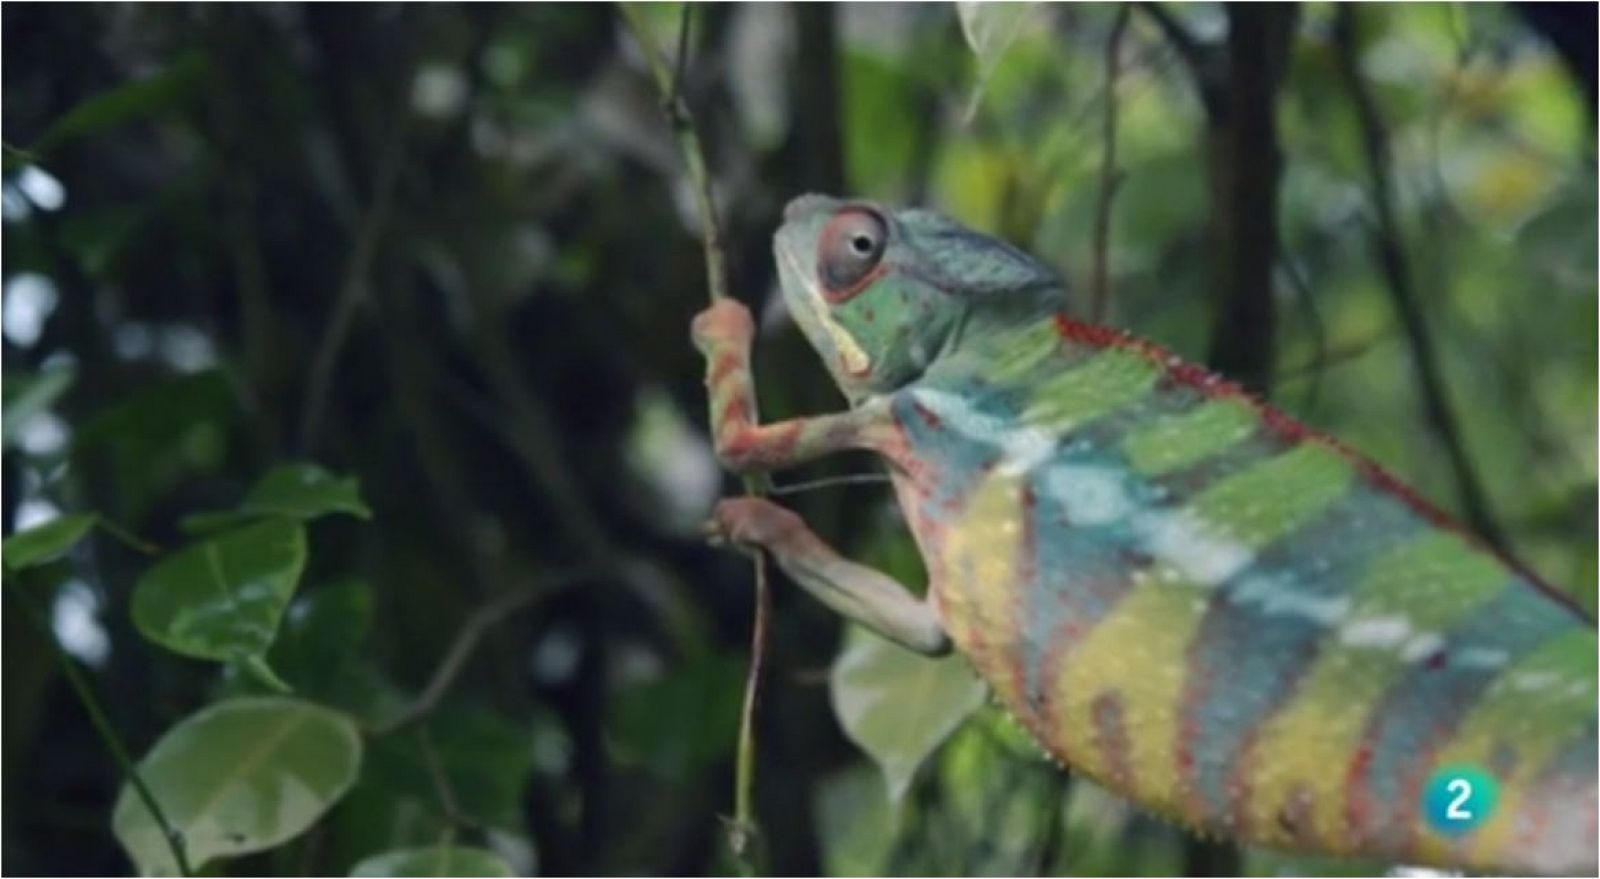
<point>850,248</point>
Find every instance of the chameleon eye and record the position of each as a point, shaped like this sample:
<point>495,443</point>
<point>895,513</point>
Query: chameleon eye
<point>850,249</point>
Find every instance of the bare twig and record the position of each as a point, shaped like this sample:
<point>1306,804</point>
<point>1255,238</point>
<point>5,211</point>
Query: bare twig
<point>353,288</point>
<point>742,828</point>
<point>107,732</point>
<point>1110,175</point>
<point>1199,57</point>
<point>449,804</point>
<point>689,145</point>
<point>831,482</point>
<point>1319,332</point>
<point>466,641</point>
<point>1391,255</point>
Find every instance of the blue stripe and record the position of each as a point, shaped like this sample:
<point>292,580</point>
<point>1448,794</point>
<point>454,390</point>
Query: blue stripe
<point>1426,705</point>
<point>1264,629</point>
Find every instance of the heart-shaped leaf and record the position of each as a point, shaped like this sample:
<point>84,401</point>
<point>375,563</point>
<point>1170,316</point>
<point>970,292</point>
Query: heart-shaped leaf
<point>47,542</point>
<point>898,706</point>
<point>305,491</point>
<point>438,860</point>
<point>238,777</point>
<point>222,598</point>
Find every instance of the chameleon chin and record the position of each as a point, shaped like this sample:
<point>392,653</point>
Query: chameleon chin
<point>1226,617</point>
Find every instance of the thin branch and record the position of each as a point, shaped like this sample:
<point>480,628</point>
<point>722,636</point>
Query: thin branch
<point>353,288</point>
<point>1319,332</point>
<point>1392,261</point>
<point>742,830</point>
<point>1198,56</point>
<point>1189,48</point>
<point>830,482</point>
<point>682,123</point>
<point>1110,175</point>
<point>107,732</point>
<point>685,21</point>
<point>449,804</point>
<point>461,649</point>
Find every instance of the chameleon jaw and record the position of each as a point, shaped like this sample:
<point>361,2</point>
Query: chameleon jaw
<point>855,360</point>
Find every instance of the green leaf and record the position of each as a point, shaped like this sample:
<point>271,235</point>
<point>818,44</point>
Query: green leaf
<point>486,758</point>
<point>439,860</point>
<point>222,598</point>
<point>47,542</point>
<point>213,522</point>
<point>305,491</point>
<point>322,635</point>
<point>24,396</point>
<point>898,706</point>
<point>989,29</point>
<point>240,776</point>
<point>157,438</point>
<point>854,823</point>
<point>143,98</point>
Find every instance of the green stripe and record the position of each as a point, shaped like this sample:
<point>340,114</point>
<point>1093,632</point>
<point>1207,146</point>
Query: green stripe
<point>1434,580</point>
<point>1178,441</point>
<point>1104,383</point>
<point>1540,702</point>
<point>1021,355</point>
<point>1554,684</point>
<point>1274,497</point>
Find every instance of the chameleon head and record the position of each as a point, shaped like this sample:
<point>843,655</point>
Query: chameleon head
<point>882,294</point>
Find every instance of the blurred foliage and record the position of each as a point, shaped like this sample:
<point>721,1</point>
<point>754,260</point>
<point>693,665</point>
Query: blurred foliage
<point>447,254</point>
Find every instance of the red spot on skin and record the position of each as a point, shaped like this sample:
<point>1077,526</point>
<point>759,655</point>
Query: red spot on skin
<point>1292,432</point>
<point>1358,805</point>
<point>928,416</point>
<point>1028,579</point>
<point>1112,735</point>
<point>724,366</point>
<point>737,412</point>
<point>1192,698</point>
<point>740,446</point>
<point>1239,785</point>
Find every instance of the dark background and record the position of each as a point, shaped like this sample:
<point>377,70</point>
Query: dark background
<point>450,250</point>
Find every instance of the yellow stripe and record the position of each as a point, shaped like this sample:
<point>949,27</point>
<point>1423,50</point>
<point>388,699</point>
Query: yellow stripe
<point>1408,598</point>
<point>981,593</point>
<point>1534,708</point>
<point>1137,653</point>
<point>1139,650</point>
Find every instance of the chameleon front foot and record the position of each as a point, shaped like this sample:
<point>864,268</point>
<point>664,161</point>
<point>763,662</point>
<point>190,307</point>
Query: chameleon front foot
<point>869,597</point>
<point>751,522</point>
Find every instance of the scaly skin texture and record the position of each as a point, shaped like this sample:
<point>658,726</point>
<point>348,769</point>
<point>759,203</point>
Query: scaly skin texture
<point>1227,618</point>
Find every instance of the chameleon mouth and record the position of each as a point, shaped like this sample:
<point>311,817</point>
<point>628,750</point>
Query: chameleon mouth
<point>855,360</point>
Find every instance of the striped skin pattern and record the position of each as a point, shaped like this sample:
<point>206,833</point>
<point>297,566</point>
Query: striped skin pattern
<point>1231,620</point>
<point>1227,618</point>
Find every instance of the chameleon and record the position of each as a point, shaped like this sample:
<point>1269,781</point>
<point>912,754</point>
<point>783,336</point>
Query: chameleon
<point>1226,617</point>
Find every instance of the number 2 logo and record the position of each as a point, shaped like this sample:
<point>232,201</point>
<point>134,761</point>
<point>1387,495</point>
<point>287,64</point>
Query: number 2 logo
<point>1456,811</point>
<point>1459,799</point>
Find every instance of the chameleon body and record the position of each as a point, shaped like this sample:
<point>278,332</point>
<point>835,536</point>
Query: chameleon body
<point>1222,615</point>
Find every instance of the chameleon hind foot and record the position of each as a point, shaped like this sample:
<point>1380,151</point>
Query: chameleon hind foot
<point>869,597</point>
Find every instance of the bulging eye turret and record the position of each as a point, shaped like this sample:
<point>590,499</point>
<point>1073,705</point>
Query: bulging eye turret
<point>850,250</point>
